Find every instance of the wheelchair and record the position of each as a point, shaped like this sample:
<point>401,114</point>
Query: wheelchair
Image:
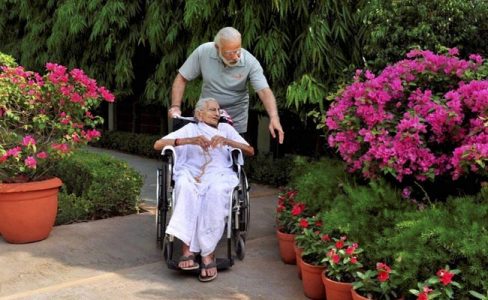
<point>236,225</point>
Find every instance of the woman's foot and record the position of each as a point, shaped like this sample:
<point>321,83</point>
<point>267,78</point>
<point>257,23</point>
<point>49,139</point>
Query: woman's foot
<point>187,260</point>
<point>209,269</point>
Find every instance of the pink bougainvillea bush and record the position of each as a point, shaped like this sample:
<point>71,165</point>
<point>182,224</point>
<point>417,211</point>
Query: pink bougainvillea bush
<point>423,117</point>
<point>44,118</point>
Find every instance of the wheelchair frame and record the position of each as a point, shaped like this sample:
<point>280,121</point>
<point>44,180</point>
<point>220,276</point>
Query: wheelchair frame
<point>237,223</point>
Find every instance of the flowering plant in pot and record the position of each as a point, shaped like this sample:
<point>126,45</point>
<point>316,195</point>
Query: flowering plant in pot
<point>439,286</point>
<point>44,118</point>
<point>289,212</point>
<point>420,118</point>
<point>312,241</point>
<point>378,284</point>
<point>342,260</point>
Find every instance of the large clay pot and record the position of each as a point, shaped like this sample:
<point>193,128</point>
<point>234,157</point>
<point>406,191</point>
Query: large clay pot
<point>287,252</point>
<point>313,287</point>
<point>28,210</point>
<point>336,290</point>
<point>298,254</point>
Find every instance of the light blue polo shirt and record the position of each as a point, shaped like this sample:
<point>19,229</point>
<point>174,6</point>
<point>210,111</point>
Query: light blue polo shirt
<point>228,85</point>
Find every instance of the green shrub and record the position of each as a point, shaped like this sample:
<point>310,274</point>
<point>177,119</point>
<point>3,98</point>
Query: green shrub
<point>7,60</point>
<point>134,143</point>
<point>108,187</point>
<point>268,170</point>
<point>72,208</point>
<point>454,233</point>
<point>363,212</point>
<point>318,182</point>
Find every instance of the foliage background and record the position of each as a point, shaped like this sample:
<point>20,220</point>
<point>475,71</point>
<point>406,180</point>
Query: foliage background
<point>308,48</point>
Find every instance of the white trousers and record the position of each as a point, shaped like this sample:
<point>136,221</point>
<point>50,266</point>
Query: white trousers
<point>198,218</point>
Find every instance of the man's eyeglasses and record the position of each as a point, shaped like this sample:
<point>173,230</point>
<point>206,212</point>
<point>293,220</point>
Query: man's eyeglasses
<point>232,52</point>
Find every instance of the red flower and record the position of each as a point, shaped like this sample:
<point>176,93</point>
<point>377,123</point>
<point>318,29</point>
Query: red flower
<point>423,296</point>
<point>354,260</point>
<point>326,238</point>
<point>336,258</point>
<point>350,250</point>
<point>339,244</point>
<point>280,208</point>
<point>445,276</point>
<point>303,223</point>
<point>297,209</point>
<point>318,223</point>
<point>383,271</point>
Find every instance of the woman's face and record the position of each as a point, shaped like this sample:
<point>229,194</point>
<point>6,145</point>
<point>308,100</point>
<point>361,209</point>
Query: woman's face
<point>210,115</point>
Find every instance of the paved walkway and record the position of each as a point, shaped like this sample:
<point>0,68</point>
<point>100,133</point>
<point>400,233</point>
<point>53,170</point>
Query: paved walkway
<point>118,258</point>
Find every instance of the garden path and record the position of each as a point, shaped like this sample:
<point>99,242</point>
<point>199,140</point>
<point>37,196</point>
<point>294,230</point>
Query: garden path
<point>118,258</point>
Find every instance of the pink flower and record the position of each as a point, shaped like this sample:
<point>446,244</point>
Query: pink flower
<point>28,141</point>
<point>41,155</point>
<point>14,152</point>
<point>30,162</point>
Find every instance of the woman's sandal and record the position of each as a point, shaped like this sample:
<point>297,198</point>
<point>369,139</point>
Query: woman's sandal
<point>187,258</point>
<point>211,265</point>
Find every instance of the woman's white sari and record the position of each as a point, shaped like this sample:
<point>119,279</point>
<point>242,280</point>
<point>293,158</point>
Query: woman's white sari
<point>204,181</point>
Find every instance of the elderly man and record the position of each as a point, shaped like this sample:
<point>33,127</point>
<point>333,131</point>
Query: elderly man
<point>204,180</point>
<point>225,69</point>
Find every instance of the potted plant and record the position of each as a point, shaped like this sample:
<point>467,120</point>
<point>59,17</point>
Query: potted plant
<point>342,263</point>
<point>378,284</point>
<point>439,286</point>
<point>42,120</point>
<point>288,212</point>
<point>314,247</point>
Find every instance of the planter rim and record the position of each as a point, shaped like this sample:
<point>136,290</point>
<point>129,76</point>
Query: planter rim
<point>46,184</point>
<point>324,274</point>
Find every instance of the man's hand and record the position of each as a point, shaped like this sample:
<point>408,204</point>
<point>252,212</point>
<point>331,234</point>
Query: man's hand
<point>275,125</point>
<point>174,112</point>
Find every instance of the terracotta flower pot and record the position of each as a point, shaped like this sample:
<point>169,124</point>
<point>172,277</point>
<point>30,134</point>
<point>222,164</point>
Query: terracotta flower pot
<point>336,290</point>
<point>313,287</point>
<point>287,252</point>
<point>298,254</point>
<point>356,296</point>
<point>28,210</point>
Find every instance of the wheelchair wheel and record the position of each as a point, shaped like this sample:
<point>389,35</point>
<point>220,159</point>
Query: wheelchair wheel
<point>164,198</point>
<point>240,247</point>
<point>245,204</point>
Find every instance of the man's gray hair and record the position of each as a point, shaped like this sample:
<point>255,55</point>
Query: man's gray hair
<point>228,34</point>
<point>202,104</point>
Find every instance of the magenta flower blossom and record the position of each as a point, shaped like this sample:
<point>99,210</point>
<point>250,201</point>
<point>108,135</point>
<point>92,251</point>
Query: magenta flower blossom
<point>420,118</point>
<point>30,162</point>
<point>44,118</point>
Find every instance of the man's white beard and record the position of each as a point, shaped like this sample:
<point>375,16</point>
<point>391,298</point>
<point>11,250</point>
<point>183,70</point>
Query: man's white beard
<point>227,62</point>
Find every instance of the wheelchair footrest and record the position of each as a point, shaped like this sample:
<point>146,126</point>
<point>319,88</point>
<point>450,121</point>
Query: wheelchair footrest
<point>222,264</point>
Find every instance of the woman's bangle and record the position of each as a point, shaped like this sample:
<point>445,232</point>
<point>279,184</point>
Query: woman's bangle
<point>174,105</point>
<point>176,142</point>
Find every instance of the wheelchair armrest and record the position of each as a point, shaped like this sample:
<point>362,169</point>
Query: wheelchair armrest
<point>168,151</point>
<point>237,157</point>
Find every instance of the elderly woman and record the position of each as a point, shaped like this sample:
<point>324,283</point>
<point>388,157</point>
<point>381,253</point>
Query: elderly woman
<point>204,180</point>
